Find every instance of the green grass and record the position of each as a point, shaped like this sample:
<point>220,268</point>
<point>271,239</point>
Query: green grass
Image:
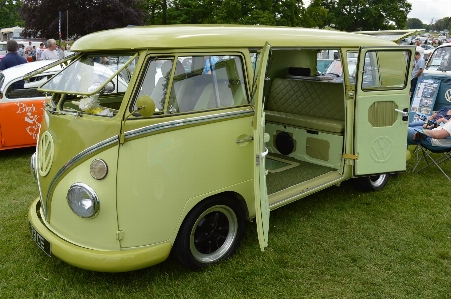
<point>338,243</point>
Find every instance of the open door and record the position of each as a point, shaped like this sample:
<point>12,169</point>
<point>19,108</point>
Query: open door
<point>381,107</point>
<point>261,194</point>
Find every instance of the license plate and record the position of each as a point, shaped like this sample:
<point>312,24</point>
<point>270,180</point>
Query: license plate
<point>40,241</point>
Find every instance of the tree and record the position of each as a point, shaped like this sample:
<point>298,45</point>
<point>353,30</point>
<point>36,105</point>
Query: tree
<point>414,23</point>
<point>443,24</point>
<point>9,12</point>
<point>85,16</point>
<point>315,15</point>
<point>354,15</point>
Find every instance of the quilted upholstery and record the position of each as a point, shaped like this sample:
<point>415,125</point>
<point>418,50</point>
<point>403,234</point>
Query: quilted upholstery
<point>308,104</point>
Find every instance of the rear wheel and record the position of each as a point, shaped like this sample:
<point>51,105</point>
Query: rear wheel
<point>210,233</point>
<point>372,183</point>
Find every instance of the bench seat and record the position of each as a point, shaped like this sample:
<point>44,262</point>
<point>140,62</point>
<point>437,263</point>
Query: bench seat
<point>305,121</point>
<point>311,105</point>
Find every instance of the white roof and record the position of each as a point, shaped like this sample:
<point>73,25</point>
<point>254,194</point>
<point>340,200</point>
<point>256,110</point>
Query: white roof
<point>15,72</point>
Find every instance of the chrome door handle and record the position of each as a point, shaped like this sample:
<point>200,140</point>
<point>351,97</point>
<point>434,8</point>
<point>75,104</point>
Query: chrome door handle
<point>404,113</point>
<point>248,139</point>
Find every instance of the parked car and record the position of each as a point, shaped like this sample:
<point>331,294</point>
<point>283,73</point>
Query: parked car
<point>438,67</point>
<point>21,109</point>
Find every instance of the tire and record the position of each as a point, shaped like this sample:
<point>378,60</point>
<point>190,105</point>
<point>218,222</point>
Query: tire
<point>372,183</point>
<point>210,233</point>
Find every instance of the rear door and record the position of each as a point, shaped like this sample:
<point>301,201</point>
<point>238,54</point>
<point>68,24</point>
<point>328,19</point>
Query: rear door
<point>381,106</point>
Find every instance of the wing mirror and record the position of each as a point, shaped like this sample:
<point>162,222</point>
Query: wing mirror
<point>146,106</point>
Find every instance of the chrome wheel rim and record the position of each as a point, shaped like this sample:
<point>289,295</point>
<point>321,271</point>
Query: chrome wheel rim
<point>213,234</point>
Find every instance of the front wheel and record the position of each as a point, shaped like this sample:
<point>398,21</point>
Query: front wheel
<point>372,183</point>
<point>210,233</point>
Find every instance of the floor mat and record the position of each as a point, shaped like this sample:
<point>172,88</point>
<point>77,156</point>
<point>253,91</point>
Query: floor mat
<point>292,175</point>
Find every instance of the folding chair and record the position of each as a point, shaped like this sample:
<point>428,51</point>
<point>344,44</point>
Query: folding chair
<point>425,151</point>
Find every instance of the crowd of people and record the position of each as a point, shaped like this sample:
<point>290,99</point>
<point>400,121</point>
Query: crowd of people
<point>20,54</point>
<point>53,51</point>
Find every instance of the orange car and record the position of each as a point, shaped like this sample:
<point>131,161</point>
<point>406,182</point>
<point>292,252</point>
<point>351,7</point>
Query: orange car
<point>21,104</point>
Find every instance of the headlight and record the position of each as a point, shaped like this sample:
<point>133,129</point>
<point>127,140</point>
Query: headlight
<point>83,201</point>
<point>33,166</point>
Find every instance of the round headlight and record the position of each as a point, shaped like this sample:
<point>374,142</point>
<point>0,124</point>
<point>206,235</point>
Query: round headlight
<point>33,166</point>
<point>83,201</point>
<point>98,169</point>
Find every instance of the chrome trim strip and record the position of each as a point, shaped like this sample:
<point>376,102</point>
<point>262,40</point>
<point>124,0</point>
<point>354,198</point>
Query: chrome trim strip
<point>310,190</point>
<point>185,122</point>
<point>90,150</point>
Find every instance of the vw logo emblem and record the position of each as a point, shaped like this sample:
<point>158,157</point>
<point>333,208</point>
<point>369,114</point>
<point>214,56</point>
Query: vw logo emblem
<point>382,149</point>
<point>45,153</point>
<point>448,95</point>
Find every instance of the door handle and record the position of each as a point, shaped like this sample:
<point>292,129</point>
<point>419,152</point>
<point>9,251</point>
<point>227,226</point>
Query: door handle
<point>404,113</point>
<point>247,139</point>
<point>265,153</point>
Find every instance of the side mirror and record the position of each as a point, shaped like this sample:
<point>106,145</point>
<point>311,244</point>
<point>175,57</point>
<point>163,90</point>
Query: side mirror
<point>146,106</point>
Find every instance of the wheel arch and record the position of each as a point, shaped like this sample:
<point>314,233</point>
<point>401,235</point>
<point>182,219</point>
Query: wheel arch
<point>191,204</point>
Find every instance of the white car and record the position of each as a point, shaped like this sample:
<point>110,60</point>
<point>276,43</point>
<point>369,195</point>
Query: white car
<point>21,104</point>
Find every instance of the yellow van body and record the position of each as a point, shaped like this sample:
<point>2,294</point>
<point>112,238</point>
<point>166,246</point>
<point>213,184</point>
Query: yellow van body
<point>168,139</point>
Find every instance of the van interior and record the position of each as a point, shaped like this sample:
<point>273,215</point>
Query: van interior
<point>305,118</point>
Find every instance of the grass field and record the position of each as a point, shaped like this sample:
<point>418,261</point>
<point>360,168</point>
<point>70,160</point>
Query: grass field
<point>338,243</point>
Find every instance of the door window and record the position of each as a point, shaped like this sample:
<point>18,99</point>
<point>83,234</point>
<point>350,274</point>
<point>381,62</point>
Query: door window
<point>198,83</point>
<point>385,70</point>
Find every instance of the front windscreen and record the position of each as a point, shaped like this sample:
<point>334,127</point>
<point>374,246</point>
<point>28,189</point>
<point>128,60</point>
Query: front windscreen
<point>440,60</point>
<point>90,74</point>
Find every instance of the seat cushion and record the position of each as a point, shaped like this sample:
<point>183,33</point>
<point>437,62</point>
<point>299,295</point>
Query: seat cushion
<point>305,121</point>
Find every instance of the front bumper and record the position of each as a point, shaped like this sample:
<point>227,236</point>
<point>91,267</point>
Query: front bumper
<point>97,260</point>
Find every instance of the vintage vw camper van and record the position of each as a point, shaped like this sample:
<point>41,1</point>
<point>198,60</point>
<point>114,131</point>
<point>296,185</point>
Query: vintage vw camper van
<point>168,139</point>
<point>438,67</point>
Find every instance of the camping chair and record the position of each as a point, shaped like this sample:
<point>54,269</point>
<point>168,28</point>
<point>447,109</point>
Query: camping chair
<point>425,154</point>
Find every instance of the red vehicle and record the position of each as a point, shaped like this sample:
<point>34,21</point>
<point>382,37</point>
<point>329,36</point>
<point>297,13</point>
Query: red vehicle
<point>21,109</point>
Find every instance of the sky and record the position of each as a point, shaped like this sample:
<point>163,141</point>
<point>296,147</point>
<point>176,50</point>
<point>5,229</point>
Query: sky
<point>425,10</point>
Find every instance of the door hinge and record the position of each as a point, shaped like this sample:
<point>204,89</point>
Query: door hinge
<point>119,235</point>
<point>350,156</point>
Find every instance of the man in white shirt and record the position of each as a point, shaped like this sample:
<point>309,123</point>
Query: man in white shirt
<point>39,51</point>
<point>50,53</point>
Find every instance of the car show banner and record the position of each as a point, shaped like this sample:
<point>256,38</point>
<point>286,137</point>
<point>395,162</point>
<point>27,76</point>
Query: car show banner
<point>424,99</point>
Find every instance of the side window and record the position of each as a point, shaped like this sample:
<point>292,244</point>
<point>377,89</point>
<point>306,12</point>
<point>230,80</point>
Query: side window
<point>27,89</point>
<point>198,83</point>
<point>207,82</point>
<point>156,80</point>
<point>385,70</point>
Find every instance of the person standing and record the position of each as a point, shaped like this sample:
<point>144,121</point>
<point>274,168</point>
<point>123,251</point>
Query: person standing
<point>28,51</point>
<point>39,51</point>
<point>33,54</point>
<point>12,59</point>
<point>21,50</point>
<point>418,67</point>
<point>50,53</point>
<point>60,51</point>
